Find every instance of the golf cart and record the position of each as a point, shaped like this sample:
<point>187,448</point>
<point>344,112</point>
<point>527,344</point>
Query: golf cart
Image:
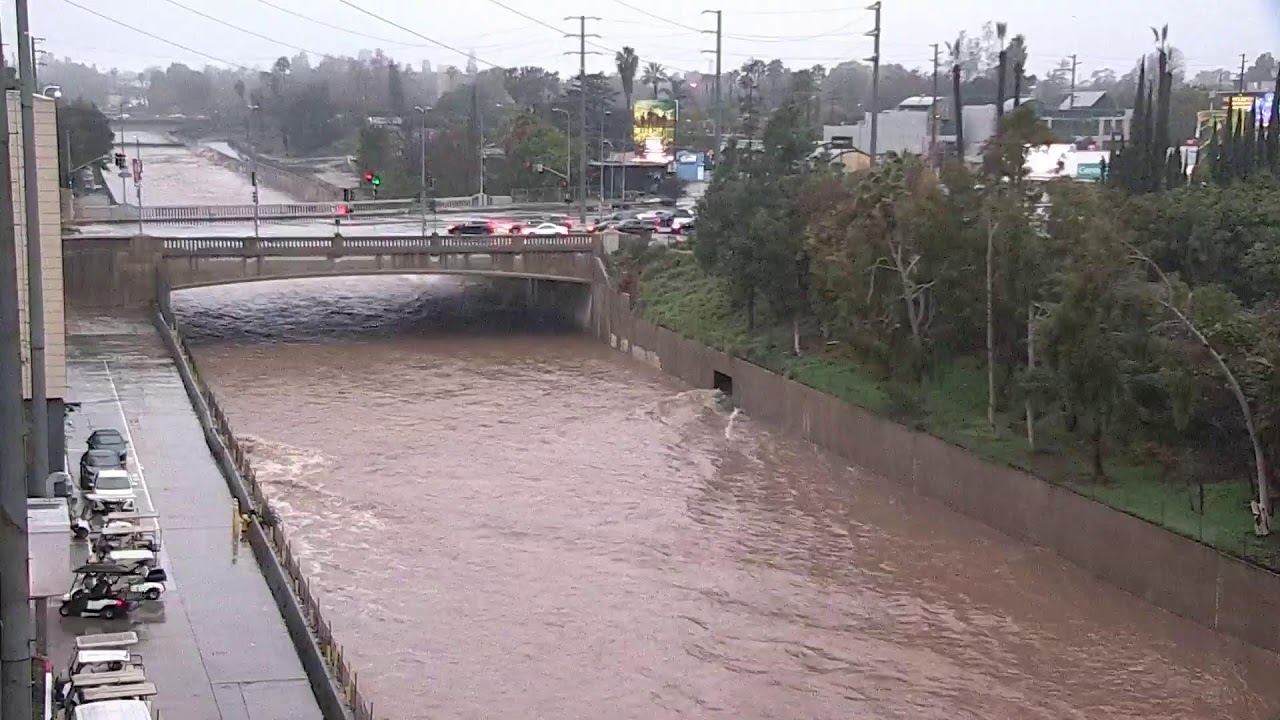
<point>112,710</point>
<point>102,500</point>
<point>107,590</point>
<point>123,535</point>
<point>90,521</point>
<point>84,704</point>
<point>138,561</point>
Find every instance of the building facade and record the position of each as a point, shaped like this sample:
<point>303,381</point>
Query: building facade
<point>46,142</point>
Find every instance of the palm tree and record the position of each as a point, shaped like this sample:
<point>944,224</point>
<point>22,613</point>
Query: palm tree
<point>627,62</point>
<point>676,88</point>
<point>654,75</point>
<point>1002,71</point>
<point>1018,56</point>
<point>957,58</point>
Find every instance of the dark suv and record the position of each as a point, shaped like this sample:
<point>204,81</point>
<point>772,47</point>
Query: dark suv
<point>93,461</point>
<point>108,439</point>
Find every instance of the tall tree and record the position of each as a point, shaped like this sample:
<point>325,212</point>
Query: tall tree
<point>654,75</point>
<point>1001,70</point>
<point>957,59</point>
<point>1018,56</point>
<point>627,62</point>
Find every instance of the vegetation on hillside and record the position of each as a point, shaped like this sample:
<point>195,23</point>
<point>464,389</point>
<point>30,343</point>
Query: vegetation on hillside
<point>1121,339</point>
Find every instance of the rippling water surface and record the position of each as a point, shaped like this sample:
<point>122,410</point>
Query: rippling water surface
<point>509,522</point>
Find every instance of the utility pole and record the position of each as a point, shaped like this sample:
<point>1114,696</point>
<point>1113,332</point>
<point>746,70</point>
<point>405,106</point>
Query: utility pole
<point>15,608</point>
<point>603,115</point>
<point>933,112</point>
<point>719,111</point>
<point>37,479</point>
<point>1243,58</point>
<point>35,62</point>
<point>568,148</point>
<point>422,167</point>
<point>875,83</point>
<point>1074,64</point>
<point>582,109</point>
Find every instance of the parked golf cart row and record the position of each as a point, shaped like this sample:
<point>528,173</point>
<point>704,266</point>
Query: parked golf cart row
<point>121,570</point>
<point>104,680</point>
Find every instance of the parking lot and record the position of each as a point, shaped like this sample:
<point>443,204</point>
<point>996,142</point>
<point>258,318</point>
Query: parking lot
<point>214,644</point>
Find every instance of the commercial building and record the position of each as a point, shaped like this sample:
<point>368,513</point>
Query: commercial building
<point>46,142</point>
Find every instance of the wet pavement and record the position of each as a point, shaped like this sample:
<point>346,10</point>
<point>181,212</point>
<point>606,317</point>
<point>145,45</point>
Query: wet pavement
<point>214,644</point>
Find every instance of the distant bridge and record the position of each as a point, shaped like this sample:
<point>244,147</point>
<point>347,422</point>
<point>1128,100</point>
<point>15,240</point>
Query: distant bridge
<point>193,214</point>
<point>106,272</point>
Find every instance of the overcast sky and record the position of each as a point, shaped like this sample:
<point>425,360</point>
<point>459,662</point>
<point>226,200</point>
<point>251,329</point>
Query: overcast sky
<point>801,32</point>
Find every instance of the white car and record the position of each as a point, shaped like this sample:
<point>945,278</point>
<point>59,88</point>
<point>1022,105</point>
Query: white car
<point>547,228</point>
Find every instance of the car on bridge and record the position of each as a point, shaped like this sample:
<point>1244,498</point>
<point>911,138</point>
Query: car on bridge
<point>547,228</point>
<point>474,227</point>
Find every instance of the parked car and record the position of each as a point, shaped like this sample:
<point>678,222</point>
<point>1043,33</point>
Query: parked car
<point>95,461</point>
<point>109,439</point>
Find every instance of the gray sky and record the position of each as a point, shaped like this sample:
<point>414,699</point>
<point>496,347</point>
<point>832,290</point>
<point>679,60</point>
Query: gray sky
<point>801,32</point>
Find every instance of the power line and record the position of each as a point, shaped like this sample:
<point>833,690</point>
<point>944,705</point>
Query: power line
<point>153,36</point>
<point>433,41</point>
<point>526,16</point>
<point>339,28</point>
<point>659,18</point>
<point>246,31</point>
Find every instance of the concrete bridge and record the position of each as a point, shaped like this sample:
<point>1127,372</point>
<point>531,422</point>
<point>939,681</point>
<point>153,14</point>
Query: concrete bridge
<point>139,271</point>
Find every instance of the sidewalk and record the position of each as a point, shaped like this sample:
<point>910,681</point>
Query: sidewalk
<point>214,645</point>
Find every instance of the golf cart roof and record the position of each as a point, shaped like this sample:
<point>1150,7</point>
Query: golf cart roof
<point>120,677</point>
<point>131,555</point>
<point>124,529</point>
<point>103,569</point>
<point>113,710</point>
<point>98,641</point>
<point>131,515</point>
<point>93,657</point>
<point>135,691</point>
<point>113,472</point>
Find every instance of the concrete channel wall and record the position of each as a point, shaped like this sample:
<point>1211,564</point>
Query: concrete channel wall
<point>1168,570</point>
<point>301,188</point>
<point>334,683</point>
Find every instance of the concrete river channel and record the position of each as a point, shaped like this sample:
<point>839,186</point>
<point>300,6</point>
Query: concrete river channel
<point>505,519</point>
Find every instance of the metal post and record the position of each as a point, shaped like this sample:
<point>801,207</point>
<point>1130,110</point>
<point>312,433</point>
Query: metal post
<point>137,180</point>
<point>422,169</point>
<point>124,184</point>
<point>1243,58</point>
<point>603,115</point>
<point>253,163</point>
<point>933,113</point>
<point>1074,64</point>
<point>582,99</point>
<point>568,149</point>
<point>875,84</point>
<point>480,121</point>
<point>37,479</point>
<point>719,111</point>
<point>15,614</point>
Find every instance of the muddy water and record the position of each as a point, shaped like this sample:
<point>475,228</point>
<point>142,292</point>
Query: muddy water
<point>506,522</point>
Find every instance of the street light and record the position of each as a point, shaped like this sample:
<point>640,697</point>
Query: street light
<point>422,171</point>
<point>568,147</point>
<point>603,115</point>
<point>480,119</point>
<point>253,165</point>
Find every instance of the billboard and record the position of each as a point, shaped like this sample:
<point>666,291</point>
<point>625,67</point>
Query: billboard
<point>1239,104</point>
<point>654,126</point>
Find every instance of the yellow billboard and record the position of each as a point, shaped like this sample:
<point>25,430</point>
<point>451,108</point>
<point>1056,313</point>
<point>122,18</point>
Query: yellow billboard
<point>654,126</point>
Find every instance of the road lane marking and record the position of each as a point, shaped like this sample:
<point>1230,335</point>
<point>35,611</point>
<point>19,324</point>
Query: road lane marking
<point>128,436</point>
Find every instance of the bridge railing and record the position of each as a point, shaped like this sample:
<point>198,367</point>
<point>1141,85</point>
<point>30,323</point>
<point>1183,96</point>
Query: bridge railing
<point>376,245</point>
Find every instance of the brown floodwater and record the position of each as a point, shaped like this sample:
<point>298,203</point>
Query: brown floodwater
<point>507,521</point>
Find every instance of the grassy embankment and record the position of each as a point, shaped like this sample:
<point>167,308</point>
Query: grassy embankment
<point>675,293</point>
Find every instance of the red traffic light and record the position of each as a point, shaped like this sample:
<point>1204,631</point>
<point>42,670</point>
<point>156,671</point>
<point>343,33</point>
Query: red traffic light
<point>368,176</point>
<point>343,209</point>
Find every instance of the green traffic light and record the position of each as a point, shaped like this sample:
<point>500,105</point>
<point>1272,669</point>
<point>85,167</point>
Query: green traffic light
<point>376,181</point>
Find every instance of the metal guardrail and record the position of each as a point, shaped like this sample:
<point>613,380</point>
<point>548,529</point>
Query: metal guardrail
<point>376,245</point>
<point>347,677</point>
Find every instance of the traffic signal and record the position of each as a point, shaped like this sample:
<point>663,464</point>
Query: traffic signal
<point>120,160</point>
<point>372,178</point>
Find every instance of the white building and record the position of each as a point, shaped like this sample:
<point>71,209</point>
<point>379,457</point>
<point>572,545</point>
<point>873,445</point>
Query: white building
<point>46,139</point>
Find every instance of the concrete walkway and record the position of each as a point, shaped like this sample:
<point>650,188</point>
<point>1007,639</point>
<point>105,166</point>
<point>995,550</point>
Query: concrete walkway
<point>214,644</point>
